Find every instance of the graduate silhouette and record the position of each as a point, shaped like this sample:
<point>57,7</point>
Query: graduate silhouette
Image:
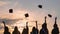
<point>6,29</point>
<point>44,29</point>
<point>35,29</point>
<point>16,31</point>
<point>26,30</point>
<point>55,29</point>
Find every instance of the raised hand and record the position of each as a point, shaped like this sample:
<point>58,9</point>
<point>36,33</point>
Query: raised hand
<point>26,23</point>
<point>55,19</point>
<point>36,25</point>
<point>3,22</point>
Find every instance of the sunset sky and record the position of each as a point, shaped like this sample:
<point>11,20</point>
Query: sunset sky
<point>20,7</point>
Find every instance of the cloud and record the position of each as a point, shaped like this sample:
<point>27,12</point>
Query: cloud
<point>2,3</point>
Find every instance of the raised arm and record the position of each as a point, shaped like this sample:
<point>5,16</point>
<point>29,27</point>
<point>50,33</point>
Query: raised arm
<point>26,24</point>
<point>36,25</point>
<point>3,23</point>
<point>55,19</point>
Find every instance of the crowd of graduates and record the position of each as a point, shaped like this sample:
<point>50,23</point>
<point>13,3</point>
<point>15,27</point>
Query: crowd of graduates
<point>44,29</point>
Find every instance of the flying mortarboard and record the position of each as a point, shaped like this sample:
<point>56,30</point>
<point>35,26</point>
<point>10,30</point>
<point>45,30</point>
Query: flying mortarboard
<point>10,10</point>
<point>26,15</point>
<point>49,15</point>
<point>40,6</point>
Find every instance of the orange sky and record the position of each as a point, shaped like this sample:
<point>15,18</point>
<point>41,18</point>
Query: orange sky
<point>20,7</point>
<point>39,16</point>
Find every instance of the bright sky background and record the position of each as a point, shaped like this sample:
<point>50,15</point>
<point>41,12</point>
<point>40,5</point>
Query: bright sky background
<point>20,7</point>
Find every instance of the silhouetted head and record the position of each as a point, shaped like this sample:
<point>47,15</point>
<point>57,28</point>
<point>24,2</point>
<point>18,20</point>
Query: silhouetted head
<point>33,28</point>
<point>24,29</point>
<point>44,25</point>
<point>6,28</point>
<point>55,25</point>
<point>15,29</point>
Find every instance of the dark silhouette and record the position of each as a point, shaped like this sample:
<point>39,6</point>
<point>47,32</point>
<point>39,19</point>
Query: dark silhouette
<point>55,29</point>
<point>26,15</point>
<point>26,30</point>
<point>10,10</point>
<point>40,6</point>
<point>6,30</point>
<point>36,25</point>
<point>15,31</point>
<point>49,15</point>
<point>44,29</point>
<point>35,30</point>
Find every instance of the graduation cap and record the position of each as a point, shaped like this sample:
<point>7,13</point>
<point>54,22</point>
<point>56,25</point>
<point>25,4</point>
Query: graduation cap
<point>26,15</point>
<point>10,10</point>
<point>49,15</point>
<point>40,6</point>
